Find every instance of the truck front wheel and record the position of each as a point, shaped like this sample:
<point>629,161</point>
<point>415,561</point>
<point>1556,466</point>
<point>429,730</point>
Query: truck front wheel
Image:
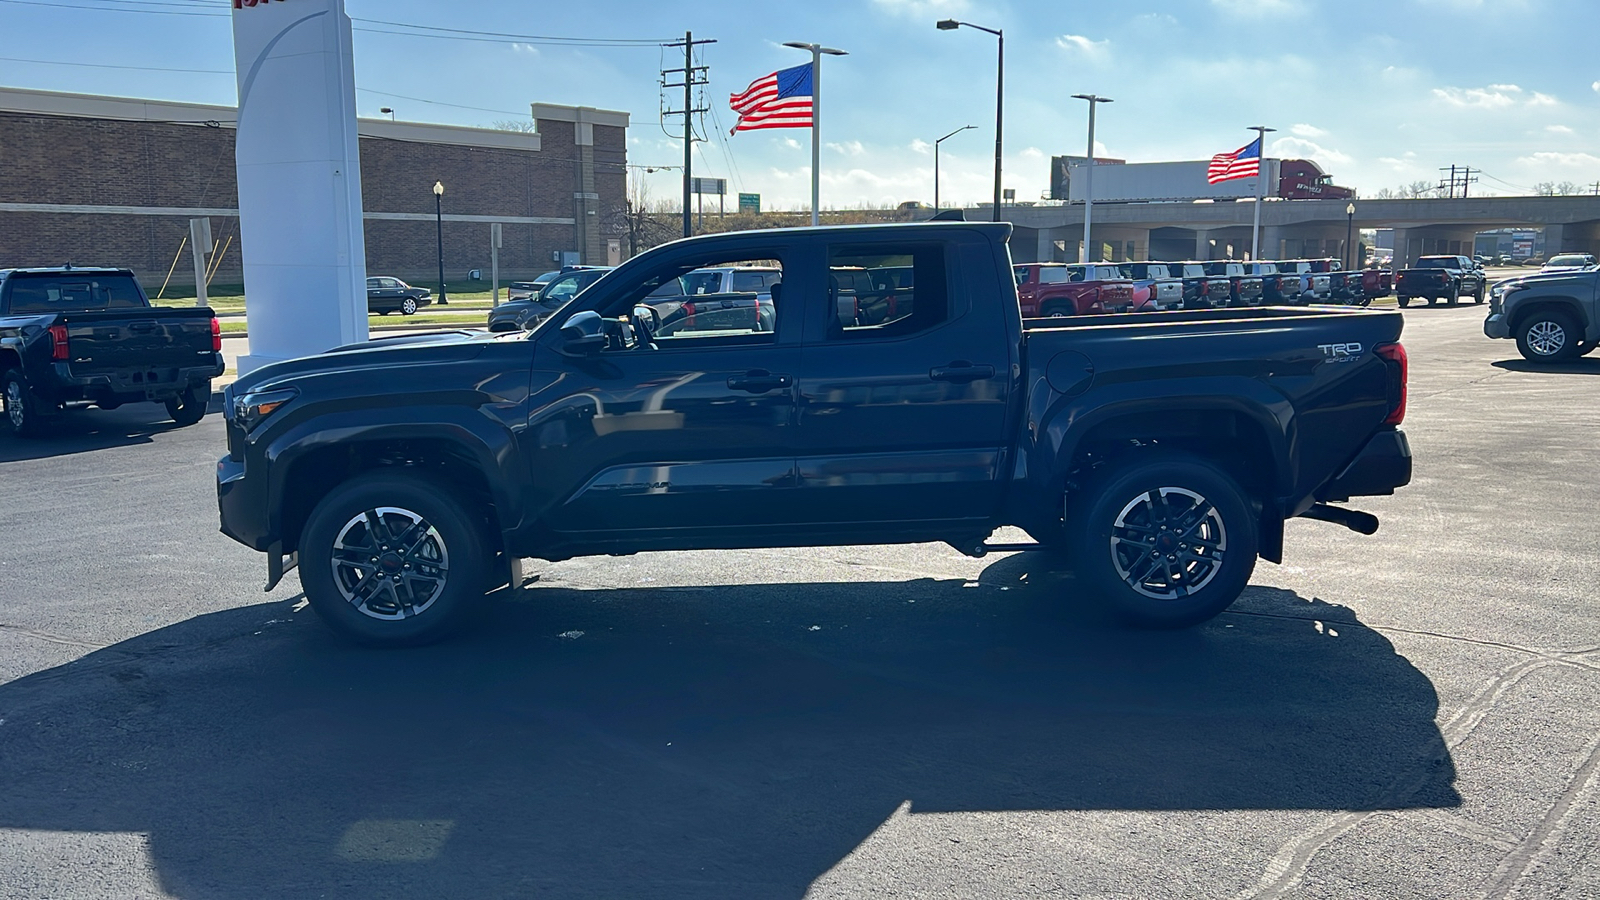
<point>393,560</point>
<point>1549,336</point>
<point>1057,310</point>
<point>1167,539</point>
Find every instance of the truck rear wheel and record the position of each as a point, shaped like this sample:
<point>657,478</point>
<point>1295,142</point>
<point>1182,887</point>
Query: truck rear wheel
<point>1167,539</point>
<point>393,560</point>
<point>25,414</point>
<point>1549,336</point>
<point>1404,301</point>
<point>1056,311</point>
<point>189,407</point>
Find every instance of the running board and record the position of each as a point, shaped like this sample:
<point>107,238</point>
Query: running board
<point>1353,519</point>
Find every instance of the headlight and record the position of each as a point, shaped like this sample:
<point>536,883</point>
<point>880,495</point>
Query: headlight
<point>250,409</point>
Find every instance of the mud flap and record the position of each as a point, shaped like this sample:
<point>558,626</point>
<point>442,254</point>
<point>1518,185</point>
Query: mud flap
<point>279,565</point>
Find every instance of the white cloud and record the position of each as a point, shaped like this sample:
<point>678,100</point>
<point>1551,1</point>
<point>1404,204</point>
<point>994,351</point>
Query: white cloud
<point>1088,47</point>
<point>1558,129</point>
<point>1036,153</point>
<point>791,143</point>
<point>1300,148</point>
<point>1595,86</point>
<point>918,145</point>
<point>1307,131</point>
<point>1494,96</point>
<point>848,148</point>
<point>1551,158</point>
<point>529,49</point>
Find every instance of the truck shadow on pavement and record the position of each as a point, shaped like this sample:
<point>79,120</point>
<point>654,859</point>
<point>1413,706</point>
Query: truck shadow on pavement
<point>1581,366</point>
<point>84,430</point>
<point>663,742</point>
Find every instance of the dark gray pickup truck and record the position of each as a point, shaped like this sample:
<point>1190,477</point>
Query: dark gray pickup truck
<point>1553,316</point>
<point>1159,454</point>
<point>76,336</point>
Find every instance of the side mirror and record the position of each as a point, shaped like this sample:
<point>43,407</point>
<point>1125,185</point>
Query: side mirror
<point>583,334</point>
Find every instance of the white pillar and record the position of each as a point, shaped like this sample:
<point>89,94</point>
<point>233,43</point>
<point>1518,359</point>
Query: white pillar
<point>299,171</point>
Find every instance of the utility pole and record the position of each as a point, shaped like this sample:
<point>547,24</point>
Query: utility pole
<point>693,76</point>
<point>1466,179</point>
<point>1450,190</point>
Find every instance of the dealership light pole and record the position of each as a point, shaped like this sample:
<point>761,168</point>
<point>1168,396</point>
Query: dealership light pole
<point>999,95</point>
<point>438,217</point>
<point>388,111</point>
<point>936,162</point>
<point>1088,174</point>
<point>816,115</point>
<point>1261,188</point>
<point>1349,232</point>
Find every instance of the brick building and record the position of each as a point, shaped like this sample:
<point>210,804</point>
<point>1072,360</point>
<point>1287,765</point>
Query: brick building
<point>114,181</point>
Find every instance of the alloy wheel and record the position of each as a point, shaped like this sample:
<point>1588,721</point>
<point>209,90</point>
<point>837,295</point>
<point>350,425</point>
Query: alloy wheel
<point>1547,338</point>
<point>1168,543</point>
<point>390,563</point>
<point>14,405</point>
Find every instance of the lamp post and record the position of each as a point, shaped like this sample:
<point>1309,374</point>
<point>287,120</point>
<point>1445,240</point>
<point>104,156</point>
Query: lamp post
<point>438,217</point>
<point>999,95</point>
<point>1088,175</point>
<point>816,116</point>
<point>388,111</point>
<point>936,162</point>
<point>1349,232</point>
<point>1261,188</point>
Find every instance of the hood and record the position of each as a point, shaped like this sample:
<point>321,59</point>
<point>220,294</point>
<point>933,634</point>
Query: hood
<point>401,350</point>
<point>1539,278</point>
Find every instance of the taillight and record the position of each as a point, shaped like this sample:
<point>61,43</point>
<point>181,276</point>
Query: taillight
<point>216,335</point>
<point>1394,355</point>
<point>58,343</point>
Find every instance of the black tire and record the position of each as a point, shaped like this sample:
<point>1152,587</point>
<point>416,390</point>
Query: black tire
<point>1477,296</point>
<point>25,414</point>
<point>1549,335</point>
<point>1056,311</point>
<point>408,306</point>
<point>1404,301</point>
<point>445,565</point>
<point>1143,502</point>
<point>1455,295</point>
<point>189,407</point>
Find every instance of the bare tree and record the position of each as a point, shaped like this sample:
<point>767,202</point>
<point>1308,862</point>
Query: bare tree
<point>1568,189</point>
<point>526,127</point>
<point>1545,189</point>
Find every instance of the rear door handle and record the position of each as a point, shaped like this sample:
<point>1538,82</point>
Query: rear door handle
<point>961,372</point>
<point>760,381</point>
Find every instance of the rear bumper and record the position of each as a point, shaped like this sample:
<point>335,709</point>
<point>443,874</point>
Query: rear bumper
<point>1382,465</point>
<point>126,384</point>
<point>1497,326</point>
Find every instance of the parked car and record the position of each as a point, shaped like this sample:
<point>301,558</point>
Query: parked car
<point>386,295</point>
<point>407,480</point>
<point>1553,316</point>
<point>1053,290</point>
<point>1568,261</point>
<point>1154,286</point>
<point>1277,288</point>
<point>527,290</point>
<point>1315,286</point>
<point>717,298</point>
<point>1246,288</point>
<point>1347,286</point>
<point>75,336</point>
<point>1440,278</point>
<point>515,315</point>
<point>1201,289</point>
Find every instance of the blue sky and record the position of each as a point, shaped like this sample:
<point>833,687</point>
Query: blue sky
<point>1380,93</point>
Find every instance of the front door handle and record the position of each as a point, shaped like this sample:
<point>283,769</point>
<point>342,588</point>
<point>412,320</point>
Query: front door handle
<point>961,372</point>
<point>760,381</point>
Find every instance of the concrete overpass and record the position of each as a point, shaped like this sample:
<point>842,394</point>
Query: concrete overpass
<point>1293,229</point>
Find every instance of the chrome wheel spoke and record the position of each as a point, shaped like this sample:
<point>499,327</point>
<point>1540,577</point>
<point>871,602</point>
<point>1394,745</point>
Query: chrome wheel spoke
<point>1168,543</point>
<point>390,563</point>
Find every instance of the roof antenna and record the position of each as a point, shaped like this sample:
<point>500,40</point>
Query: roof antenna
<point>69,264</point>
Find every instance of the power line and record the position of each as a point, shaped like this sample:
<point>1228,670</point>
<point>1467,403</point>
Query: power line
<point>523,38</point>
<point>180,9</point>
<point>56,62</point>
<point>441,102</point>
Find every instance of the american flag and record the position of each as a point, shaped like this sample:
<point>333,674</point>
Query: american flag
<point>779,100</point>
<point>1244,162</point>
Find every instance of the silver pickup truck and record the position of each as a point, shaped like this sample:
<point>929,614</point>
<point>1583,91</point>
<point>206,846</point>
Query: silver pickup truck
<point>1551,315</point>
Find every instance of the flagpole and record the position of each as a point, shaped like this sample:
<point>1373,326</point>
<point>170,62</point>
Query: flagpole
<point>816,117</point>
<point>1261,189</point>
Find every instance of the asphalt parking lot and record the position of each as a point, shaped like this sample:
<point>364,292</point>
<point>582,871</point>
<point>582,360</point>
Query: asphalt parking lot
<point>1412,714</point>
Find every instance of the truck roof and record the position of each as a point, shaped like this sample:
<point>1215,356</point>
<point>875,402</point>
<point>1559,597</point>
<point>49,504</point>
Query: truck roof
<point>65,270</point>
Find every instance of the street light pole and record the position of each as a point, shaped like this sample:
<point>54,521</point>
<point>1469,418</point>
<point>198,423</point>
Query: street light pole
<point>816,117</point>
<point>438,217</point>
<point>999,96</point>
<point>1261,188</point>
<point>936,162</point>
<point>1349,232</point>
<point>1088,175</point>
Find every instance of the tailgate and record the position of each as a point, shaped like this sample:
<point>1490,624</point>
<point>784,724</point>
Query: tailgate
<point>120,339</point>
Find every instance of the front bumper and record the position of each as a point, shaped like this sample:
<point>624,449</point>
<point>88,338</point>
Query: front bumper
<point>1382,465</point>
<point>1497,326</point>
<point>241,504</point>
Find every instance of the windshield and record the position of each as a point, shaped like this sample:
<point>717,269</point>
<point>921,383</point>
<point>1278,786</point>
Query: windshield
<point>1437,262</point>
<point>65,291</point>
<point>1570,261</point>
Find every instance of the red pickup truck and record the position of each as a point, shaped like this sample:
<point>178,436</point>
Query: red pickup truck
<point>1049,290</point>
